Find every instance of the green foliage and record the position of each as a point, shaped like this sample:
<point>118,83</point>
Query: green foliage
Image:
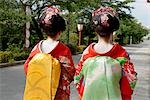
<point>20,56</point>
<point>71,25</point>
<point>13,53</point>
<point>9,56</point>
<point>5,56</point>
<point>14,48</point>
<point>73,39</point>
<point>75,9</point>
<point>122,7</point>
<point>12,20</point>
<point>131,28</point>
<point>72,43</point>
<point>81,48</point>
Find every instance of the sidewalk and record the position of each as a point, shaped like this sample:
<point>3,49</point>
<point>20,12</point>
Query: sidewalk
<point>3,65</point>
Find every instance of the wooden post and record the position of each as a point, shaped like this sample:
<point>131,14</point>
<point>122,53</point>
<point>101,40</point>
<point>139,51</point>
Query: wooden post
<point>27,31</point>
<point>79,43</point>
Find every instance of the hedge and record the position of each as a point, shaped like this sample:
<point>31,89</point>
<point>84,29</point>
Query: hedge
<point>81,48</point>
<point>5,56</point>
<point>9,56</point>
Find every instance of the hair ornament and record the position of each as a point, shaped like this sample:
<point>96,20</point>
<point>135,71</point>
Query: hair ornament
<point>49,12</point>
<point>104,10</point>
<point>104,19</point>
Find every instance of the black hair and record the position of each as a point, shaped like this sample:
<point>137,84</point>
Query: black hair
<point>55,24</point>
<point>104,31</point>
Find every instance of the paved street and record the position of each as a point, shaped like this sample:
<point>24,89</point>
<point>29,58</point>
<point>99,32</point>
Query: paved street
<point>12,79</point>
<point>140,55</point>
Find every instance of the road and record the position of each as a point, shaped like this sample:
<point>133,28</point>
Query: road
<point>12,79</point>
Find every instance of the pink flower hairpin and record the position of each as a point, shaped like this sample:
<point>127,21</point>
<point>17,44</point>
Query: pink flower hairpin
<point>50,11</point>
<point>104,10</point>
<point>104,20</point>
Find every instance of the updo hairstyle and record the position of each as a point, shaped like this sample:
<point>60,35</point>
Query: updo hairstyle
<point>105,21</point>
<point>51,22</point>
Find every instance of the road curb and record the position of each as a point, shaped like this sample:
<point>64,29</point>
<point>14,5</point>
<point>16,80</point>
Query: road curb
<point>3,65</point>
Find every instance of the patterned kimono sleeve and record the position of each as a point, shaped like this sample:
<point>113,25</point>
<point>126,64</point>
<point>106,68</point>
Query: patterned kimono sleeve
<point>68,65</point>
<point>128,80</point>
<point>78,78</point>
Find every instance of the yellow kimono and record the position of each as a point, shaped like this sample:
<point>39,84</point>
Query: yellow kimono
<point>42,79</point>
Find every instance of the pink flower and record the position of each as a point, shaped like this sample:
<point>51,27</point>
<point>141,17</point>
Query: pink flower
<point>104,20</point>
<point>104,10</point>
<point>50,11</point>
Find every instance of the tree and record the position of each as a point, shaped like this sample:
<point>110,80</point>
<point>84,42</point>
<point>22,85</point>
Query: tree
<point>70,6</point>
<point>12,20</point>
<point>121,7</point>
<point>131,28</point>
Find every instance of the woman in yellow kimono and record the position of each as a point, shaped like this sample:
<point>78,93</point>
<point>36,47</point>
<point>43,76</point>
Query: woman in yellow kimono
<point>53,24</point>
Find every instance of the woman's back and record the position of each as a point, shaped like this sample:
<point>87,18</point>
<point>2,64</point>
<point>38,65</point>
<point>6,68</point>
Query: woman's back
<point>101,76</point>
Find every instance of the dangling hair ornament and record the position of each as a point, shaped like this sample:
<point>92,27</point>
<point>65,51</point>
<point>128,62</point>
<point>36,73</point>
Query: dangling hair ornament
<point>49,12</point>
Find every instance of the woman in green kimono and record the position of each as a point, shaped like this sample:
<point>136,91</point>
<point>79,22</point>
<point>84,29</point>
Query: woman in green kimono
<point>105,71</point>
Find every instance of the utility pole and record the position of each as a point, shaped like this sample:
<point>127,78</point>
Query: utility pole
<point>0,39</point>
<point>27,9</point>
<point>27,31</point>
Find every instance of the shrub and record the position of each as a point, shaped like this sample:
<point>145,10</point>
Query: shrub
<point>20,56</point>
<point>18,52</point>
<point>6,56</point>
<point>9,56</point>
<point>14,48</point>
<point>81,48</point>
<point>73,39</point>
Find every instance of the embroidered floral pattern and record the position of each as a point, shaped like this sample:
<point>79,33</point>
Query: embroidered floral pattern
<point>129,72</point>
<point>64,60</point>
<point>67,73</point>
